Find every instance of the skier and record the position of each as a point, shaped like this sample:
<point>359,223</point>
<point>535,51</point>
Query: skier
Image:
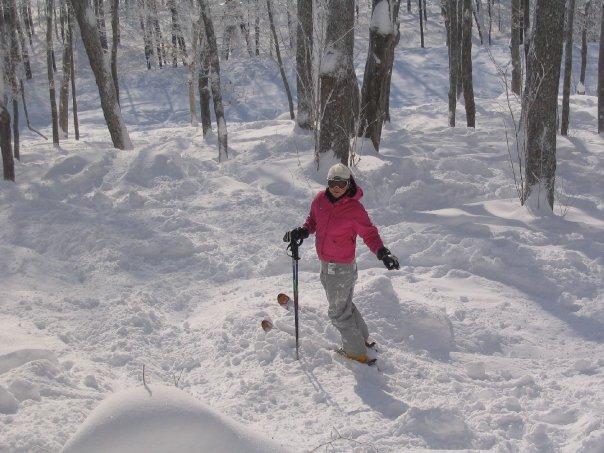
<point>337,217</point>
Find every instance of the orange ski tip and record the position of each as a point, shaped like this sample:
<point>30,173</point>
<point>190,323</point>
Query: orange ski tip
<point>266,325</point>
<point>283,299</point>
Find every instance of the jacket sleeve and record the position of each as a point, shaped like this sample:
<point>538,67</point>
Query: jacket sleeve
<point>311,222</point>
<point>367,230</point>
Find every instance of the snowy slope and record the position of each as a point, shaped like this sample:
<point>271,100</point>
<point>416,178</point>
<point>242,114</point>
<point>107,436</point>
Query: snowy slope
<point>491,334</point>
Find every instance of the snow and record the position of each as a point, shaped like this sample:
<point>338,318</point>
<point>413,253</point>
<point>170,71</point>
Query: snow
<point>490,335</point>
<point>380,19</point>
<point>160,418</point>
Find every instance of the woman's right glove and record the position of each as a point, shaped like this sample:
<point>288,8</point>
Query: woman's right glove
<point>297,234</point>
<point>389,260</point>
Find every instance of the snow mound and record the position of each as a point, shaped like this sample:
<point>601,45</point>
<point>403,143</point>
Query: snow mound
<point>17,358</point>
<point>404,322</point>
<point>440,428</point>
<point>161,419</point>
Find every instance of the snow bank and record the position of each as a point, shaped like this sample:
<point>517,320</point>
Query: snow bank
<point>162,419</point>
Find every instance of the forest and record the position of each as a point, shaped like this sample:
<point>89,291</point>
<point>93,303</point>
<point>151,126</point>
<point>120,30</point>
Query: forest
<point>155,152</point>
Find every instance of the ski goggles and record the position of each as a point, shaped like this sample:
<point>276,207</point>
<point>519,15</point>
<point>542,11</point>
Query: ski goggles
<point>339,183</point>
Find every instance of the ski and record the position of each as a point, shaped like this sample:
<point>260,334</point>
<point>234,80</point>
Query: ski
<point>370,362</point>
<point>285,301</point>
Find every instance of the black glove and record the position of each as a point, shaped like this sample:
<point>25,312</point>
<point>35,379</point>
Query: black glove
<point>390,261</point>
<point>297,234</point>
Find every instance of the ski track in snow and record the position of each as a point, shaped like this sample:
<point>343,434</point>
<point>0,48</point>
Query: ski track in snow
<point>490,336</point>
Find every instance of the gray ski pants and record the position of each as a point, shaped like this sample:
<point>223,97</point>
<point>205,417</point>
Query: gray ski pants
<point>338,280</point>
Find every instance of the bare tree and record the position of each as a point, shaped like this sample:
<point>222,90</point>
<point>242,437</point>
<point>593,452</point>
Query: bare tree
<point>601,78</point>
<point>65,76</point>
<point>99,10</point>
<point>339,90</point>
<point>212,49</point>
<point>74,101</point>
<point>178,40</point>
<point>50,72</point>
<point>421,23</point>
<point>304,49</point>
<point>490,13</point>
<point>526,24</point>
<point>515,48</point>
<point>466,65</point>
<point>8,162</point>
<point>581,85</point>
<point>383,38</point>
<point>290,102</point>
<point>192,66</point>
<point>540,101</point>
<point>568,65</point>
<point>115,29</point>
<point>102,75</point>
<point>453,59</point>
<point>203,82</point>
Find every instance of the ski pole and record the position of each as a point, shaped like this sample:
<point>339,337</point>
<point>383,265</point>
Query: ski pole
<point>294,247</point>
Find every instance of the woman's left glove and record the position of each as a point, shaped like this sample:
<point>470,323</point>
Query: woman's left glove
<point>389,260</point>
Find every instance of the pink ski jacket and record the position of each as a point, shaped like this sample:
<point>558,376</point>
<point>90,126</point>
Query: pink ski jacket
<point>337,226</point>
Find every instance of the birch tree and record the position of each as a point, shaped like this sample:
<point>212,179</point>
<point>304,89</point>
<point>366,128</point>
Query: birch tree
<point>102,74</point>
<point>383,37</point>
<point>540,102</point>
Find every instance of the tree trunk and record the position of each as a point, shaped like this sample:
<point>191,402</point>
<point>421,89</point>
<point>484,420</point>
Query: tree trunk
<point>421,23</point>
<point>540,100</point>
<point>601,78</point>
<point>408,6</point>
<point>64,91</point>
<point>453,63</point>
<point>16,142</point>
<point>338,82</point>
<point>100,17</point>
<point>102,75</point>
<point>50,72</point>
<point>490,12</point>
<point>257,33</point>
<point>203,84</point>
<point>178,41</point>
<point>478,27</point>
<point>215,80</point>
<point>26,14</point>
<point>378,68</point>
<point>146,30</point>
<point>581,86</point>
<point>115,29</point>
<point>14,17</point>
<point>515,48</point>
<point>74,101</point>
<point>568,66</point>
<point>159,39</point>
<point>8,161</point>
<point>526,24</point>
<point>304,49</point>
<point>269,8</point>
<point>466,57</point>
<point>191,76</point>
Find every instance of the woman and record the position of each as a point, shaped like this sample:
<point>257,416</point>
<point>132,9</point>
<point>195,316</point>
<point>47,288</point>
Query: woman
<point>337,217</point>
